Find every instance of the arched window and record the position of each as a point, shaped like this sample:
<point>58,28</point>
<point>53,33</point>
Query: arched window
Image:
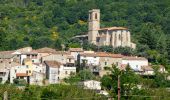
<point>95,15</point>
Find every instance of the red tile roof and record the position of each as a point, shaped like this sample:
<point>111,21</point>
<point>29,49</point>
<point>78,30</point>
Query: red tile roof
<point>62,52</point>
<point>46,50</point>
<point>147,68</point>
<point>133,58</point>
<point>76,49</point>
<point>70,56</point>
<point>21,74</point>
<point>102,54</point>
<point>53,64</point>
<point>6,52</point>
<point>114,28</point>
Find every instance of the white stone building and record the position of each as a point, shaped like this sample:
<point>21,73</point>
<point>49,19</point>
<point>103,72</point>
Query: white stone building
<point>19,72</point>
<point>135,62</point>
<point>90,59</point>
<point>92,84</point>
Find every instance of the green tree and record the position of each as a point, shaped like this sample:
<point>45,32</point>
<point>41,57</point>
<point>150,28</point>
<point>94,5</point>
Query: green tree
<point>124,50</point>
<point>128,80</point>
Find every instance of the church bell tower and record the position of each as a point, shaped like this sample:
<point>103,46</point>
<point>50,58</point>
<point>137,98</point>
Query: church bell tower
<point>93,25</point>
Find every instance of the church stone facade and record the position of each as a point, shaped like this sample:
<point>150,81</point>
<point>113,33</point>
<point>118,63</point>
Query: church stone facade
<point>114,36</point>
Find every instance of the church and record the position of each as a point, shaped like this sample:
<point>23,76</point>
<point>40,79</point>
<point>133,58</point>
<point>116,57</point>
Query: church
<point>109,36</point>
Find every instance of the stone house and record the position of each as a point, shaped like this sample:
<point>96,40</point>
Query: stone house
<point>56,71</point>
<point>61,56</point>
<point>5,66</point>
<point>108,60</point>
<point>75,52</point>
<point>146,70</point>
<point>91,84</point>
<point>42,52</point>
<point>20,72</point>
<point>37,78</point>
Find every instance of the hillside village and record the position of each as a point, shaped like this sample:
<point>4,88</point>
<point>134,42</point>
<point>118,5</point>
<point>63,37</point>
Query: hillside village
<point>84,49</point>
<point>47,66</point>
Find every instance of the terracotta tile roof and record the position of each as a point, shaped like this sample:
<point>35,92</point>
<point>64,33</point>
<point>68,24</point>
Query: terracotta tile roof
<point>53,64</point>
<point>39,64</point>
<point>6,52</point>
<point>32,52</point>
<point>147,68</point>
<point>101,54</point>
<point>46,50</point>
<point>76,49</point>
<point>114,28</point>
<point>21,74</point>
<point>70,56</point>
<point>62,52</point>
<point>133,58</point>
<point>25,49</point>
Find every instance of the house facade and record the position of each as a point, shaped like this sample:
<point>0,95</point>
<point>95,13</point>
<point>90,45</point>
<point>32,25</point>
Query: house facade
<point>56,71</point>
<point>135,62</point>
<point>75,52</point>
<point>20,72</point>
<point>5,66</point>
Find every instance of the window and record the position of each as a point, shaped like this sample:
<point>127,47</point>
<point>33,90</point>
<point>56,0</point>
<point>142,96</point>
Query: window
<point>29,71</point>
<point>28,56</point>
<point>32,60</point>
<point>69,60</point>
<point>119,37</point>
<point>105,63</point>
<point>136,66</point>
<point>116,63</point>
<point>27,66</point>
<point>66,72</point>
<point>97,39</point>
<point>95,15</point>
<point>15,70</point>
<point>40,71</point>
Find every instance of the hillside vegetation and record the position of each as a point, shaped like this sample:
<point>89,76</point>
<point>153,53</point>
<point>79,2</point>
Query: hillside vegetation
<point>40,23</point>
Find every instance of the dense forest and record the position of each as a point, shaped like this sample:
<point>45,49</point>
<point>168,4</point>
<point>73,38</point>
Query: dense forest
<point>40,23</point>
